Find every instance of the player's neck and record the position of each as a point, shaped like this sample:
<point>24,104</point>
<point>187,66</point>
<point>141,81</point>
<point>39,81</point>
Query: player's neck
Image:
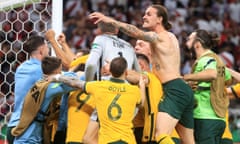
<point>38,57</point>
<point>122,77</point>
<point>202,52</point>
<point>159,29</point>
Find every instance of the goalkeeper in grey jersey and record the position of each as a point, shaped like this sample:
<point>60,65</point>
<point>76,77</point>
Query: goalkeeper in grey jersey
<point>107,46</point>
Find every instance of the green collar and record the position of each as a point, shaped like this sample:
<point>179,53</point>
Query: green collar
<point>205,53</point>
<point>117,80</point>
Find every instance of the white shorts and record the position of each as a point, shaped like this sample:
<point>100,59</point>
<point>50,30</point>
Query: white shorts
<point>94,116</point>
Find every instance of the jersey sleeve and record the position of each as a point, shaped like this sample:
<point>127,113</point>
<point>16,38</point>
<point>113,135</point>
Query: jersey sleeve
<point>207,63</point>
<point>236,90</point>
<point>228,75</point>
<point>94,57</point>
<point>69,74</point>
<point>138,95</point>
<point>90,87</point>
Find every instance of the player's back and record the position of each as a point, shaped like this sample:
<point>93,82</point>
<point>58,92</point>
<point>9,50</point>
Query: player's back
<point>114,46</point>
<point>26,75</point>
<point>115,102</point>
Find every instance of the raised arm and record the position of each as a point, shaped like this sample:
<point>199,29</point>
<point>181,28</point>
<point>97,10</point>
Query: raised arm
<point>50,36</point>
<point>62,41</point>
<point>128,29</point>
<point>71,81</point>
<point>94,59</point>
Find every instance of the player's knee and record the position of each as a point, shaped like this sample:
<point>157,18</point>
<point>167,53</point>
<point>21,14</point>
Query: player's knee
<point>164,139</point>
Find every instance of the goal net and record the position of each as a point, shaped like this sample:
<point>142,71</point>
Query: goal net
<point>18,20</point>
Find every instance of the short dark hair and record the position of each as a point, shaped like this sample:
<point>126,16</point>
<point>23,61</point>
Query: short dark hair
<point>117,66</point>
<point>33,43</point>
<point>107,27</point>
<point>50,64</point>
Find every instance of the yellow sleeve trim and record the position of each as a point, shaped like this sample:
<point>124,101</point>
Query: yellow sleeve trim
<point>55,85</point>
<point>80,60</point>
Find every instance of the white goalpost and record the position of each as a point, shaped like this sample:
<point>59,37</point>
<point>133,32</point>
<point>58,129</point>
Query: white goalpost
<point>57,16</point>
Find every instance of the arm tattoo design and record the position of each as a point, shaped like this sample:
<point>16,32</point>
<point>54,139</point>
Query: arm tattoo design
<point>157,66</point>
<point>150,37</point>
<point>133,31</point>
<point>128,29</point>
<point>71,81</point>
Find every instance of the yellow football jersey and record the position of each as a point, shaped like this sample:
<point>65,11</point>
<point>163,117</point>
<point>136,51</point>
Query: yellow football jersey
<point>79,60</point>
<point>80,108</point>
<point>236,89</point>
<point>115,102</point>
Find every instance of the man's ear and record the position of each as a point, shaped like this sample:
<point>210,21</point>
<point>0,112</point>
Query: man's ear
<point>195,43</point>
<point>126,73</point>
<point>41,50</point>
<point>159,20</point>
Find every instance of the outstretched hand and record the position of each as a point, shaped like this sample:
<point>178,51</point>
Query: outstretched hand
<point>97,17</point>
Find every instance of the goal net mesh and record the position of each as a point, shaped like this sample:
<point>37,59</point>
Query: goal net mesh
<point>18,20</point>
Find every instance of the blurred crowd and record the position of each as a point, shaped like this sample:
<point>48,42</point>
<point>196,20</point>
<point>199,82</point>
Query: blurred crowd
<point>220,16</point>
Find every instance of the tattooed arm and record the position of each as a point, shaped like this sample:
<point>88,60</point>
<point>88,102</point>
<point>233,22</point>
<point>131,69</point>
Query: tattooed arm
<point>71,81</point>
<point>128,29</point>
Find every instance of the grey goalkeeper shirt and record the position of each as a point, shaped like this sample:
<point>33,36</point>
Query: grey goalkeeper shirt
<point>106,47</point>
